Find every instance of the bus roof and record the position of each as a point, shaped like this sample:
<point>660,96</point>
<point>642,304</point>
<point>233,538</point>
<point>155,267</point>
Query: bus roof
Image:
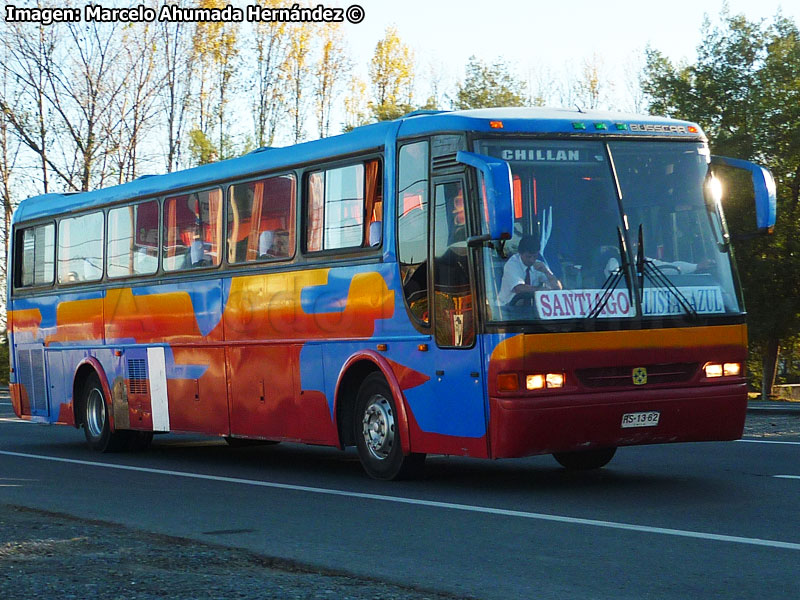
<point>488,120</point>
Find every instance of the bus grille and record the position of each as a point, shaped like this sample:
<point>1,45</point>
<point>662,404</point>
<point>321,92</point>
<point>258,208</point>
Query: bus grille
<point>623,376</point>
<point>137,376</point>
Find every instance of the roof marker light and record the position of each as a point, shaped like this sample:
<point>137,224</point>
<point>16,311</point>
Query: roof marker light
<point>578,125</point>
<point>620,126</point>
<point>600,126</point>
<point>693,129</point>
<point>496,124</point>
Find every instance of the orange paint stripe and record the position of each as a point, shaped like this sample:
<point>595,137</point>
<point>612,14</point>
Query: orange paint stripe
<point>683,337</point>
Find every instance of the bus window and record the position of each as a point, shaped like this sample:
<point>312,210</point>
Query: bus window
<point>192,230</point>
<point>454,323</point>
<point>37,248</point>
<point>412,226</point>
<point>132,240</point>
<point>342,204</point>
<point>261,220</point>
<point>80,248</point>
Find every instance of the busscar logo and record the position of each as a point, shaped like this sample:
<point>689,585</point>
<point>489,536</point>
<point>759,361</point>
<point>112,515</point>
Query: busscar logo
<point>654,128</point>
<point>639,376</point>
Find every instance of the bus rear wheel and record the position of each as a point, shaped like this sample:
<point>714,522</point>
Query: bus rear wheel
<point>96,424</point>
<point>585,460</point>
<point>376,435</point>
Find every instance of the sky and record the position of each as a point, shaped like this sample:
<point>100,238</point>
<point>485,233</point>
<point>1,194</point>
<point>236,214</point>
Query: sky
<point>548,34</point>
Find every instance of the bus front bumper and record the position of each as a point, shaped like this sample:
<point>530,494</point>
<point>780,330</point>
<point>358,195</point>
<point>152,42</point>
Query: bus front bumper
<point>543,425</point>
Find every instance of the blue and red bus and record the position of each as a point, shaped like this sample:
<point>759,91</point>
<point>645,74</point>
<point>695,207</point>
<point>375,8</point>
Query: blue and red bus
<point>366,290</point>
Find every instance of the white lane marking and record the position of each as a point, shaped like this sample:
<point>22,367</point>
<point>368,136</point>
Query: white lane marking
<point>6,404</point>
<point>769,442</point>
<point>787,476</point>
<point>157,367</point>
<point>429,503</point>
<point>15,420</point>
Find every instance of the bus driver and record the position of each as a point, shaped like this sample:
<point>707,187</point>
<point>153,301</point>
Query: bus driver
<point>526,272</point>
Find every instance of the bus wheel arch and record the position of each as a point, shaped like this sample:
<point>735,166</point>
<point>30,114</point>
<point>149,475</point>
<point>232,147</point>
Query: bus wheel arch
<point>92,407</point>
<point>86,369</point>
<point>357,368</point>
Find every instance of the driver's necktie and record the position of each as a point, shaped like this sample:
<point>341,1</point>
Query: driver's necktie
<point>528,276</point>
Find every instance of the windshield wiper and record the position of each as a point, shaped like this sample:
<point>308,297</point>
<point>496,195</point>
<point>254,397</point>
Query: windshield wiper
<point>610,284</point>
<point>646,267</point>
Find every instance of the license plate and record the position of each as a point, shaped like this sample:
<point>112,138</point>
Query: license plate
<point>641,419</point>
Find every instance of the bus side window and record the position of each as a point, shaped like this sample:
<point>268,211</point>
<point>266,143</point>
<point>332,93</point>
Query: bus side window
<point>412,227</point>
<point>192,230</point>
<point>35,256</point>
<point>80,248</point>
<point>341,206</point>
<point>261,218</point>
<point>132,247</point>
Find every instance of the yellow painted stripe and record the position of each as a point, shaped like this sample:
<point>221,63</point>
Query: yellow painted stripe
<point>682,337</point>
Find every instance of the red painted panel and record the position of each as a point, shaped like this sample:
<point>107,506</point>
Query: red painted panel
<point>19,399</point>
<point>521,428</point>
<point>65,414</point>
<point>266,401</point>
<point>199,405</point>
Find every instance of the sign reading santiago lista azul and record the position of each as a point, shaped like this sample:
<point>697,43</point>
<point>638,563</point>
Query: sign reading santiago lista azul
<point>576,304</point>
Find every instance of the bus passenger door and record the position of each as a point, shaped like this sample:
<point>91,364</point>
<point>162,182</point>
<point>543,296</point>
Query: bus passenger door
<point>457,405</point>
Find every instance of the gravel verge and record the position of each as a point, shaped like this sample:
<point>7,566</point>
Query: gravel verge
<point>49,555</point>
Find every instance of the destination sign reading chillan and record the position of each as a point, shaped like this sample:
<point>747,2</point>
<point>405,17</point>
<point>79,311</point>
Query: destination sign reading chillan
<point>578,304</point>
<point>542,154</point>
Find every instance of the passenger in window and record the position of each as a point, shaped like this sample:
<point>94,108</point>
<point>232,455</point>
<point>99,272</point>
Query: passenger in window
<point>280,244</point>
<point>526,272</point>
<point>273,244</point>
<point>197,250</point>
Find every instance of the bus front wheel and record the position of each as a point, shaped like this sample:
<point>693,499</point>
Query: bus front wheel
<point>377,438</point>
<point>585,460</point>
<point>96,424</point>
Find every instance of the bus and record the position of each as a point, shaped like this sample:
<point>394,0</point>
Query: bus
<point>360,291</point>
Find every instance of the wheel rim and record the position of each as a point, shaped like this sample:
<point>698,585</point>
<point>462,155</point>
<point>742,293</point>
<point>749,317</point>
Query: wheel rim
<point>95,413</point>
<point>378,427</point>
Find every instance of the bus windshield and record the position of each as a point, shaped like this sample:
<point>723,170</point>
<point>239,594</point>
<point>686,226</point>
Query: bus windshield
<point>564,259</point>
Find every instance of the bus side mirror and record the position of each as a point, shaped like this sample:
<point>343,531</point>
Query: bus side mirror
<point>498,203</point>
<point>748,188</point>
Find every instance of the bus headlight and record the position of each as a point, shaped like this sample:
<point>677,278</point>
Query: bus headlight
<point>732,369</point>
<point>540,381</point>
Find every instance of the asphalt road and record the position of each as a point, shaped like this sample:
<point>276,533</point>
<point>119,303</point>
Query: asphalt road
<point>685,521</point>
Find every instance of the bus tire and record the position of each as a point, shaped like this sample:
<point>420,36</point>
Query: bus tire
<point>376,435</point>
<point>585,460</point>
<point>96,424</point>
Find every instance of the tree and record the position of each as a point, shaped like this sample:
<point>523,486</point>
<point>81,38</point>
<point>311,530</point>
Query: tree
<point>591,87</point>
<point>135,108</point>
<point>391,72</point>
<point>28,58</point>
<point>270,42</point>
<point>216,51</point>
<point>487,86</point>
<point>9,152</point>
<point>83,90</point>
<point>177,75</point>
<point>356,105</point>
<point>744,90</point>
<point>332,65</point>
<point>297,78</point>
